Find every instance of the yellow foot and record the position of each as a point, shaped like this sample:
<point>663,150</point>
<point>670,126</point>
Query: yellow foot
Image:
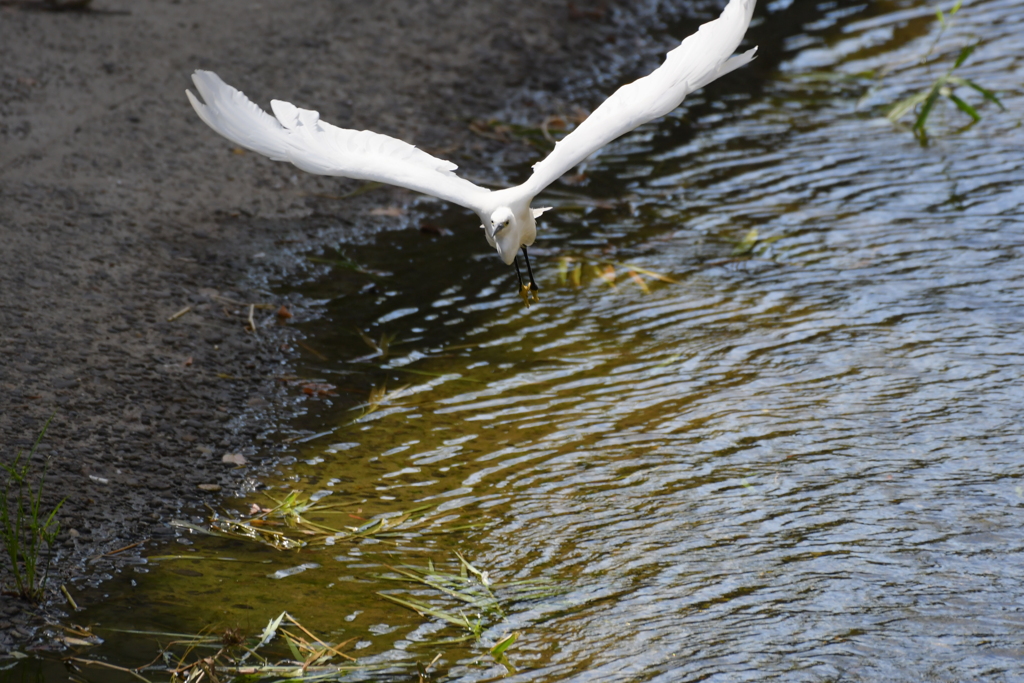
<point>526,292</point>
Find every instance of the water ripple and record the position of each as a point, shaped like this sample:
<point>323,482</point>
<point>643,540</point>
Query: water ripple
<point>799,464</point>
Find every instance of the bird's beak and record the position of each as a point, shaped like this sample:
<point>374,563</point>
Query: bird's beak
<point>496,229</point>
<point>497,246</point>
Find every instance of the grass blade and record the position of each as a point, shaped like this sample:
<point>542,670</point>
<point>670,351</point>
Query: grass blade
<point>498,651</point>
<point>964,107</point>
<point>926,109</point>
<point>369,342</point>
<point>504,644</point>
<point>425,610</point>
<point>987,94</point>
<point>293,648</point>
<point>639,282</point>
<point>900,109</point>
<point>645,271</point>
<point>271,630</point>
<point>964,54</point>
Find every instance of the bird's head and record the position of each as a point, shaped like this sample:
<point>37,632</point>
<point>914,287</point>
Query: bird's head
<point>505,233</point>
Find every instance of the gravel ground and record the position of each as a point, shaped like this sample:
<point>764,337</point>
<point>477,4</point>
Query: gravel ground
<point>119,209</point>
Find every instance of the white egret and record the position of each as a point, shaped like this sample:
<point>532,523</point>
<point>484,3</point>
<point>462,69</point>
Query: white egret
<point>509,223</point>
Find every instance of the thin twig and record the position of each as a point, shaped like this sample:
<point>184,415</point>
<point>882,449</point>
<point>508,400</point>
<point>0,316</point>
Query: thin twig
<point>180,313</point>
<point>109,666</point>
<point>311,350</point>
<point>226,300</point>
<point>121,550</point>
<point>326,646</point>
<point>71,600</point>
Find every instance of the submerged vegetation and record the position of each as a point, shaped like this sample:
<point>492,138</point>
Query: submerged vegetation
<point>284,651</point>
<point>28,531</point>
<point>469,588</point>
<point>923,102</point>
<point>468,599</point>
<point>296,522</point>
<point>945,86</point>
<point>571,271</point>
<point>287,650</point>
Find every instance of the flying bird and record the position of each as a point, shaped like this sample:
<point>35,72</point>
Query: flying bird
<point>509,222</point>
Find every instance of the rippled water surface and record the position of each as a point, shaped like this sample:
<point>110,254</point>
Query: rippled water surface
<point>798,462</point>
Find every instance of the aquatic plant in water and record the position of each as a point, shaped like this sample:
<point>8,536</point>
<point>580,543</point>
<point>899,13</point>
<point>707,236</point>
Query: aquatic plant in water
<point>232,656</point>
<point>469,590</point>
<point>570,271</point>
<point>295,522</point>
<point>945,86</point>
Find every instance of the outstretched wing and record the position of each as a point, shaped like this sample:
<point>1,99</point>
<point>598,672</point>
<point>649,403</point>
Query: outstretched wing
<point>299,136</point>
<point>699,59</point>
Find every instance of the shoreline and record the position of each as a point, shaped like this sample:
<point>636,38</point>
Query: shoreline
<point>136,238</point>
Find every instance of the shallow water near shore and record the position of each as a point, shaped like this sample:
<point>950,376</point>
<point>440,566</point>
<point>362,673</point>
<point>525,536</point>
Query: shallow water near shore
<point>792,453</point>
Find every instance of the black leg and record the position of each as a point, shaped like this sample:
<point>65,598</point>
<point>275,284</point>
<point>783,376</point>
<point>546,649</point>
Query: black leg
<point>519,274</point>
<point>526,291</point>
<point>529,270</point>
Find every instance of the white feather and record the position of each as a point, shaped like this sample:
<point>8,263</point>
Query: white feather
<point>300,137</point>
<point>699,59</point>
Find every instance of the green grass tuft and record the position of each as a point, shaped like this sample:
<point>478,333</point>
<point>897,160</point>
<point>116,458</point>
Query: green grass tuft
<point>25,527</point>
